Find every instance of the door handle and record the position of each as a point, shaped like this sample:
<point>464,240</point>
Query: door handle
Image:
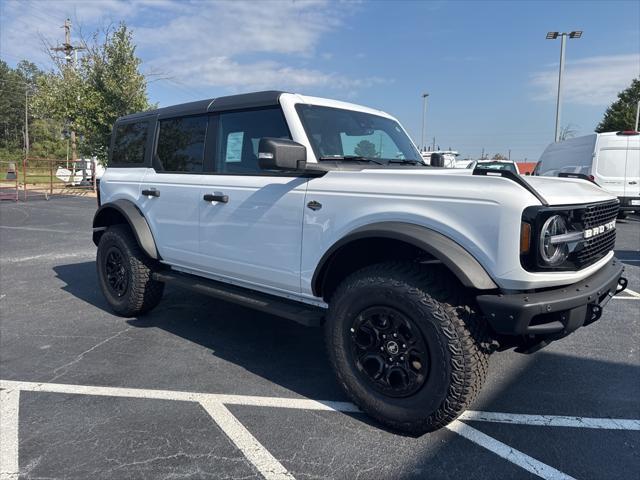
<point>151,192</point>
<point>210,197</point>
<point>633,183</point>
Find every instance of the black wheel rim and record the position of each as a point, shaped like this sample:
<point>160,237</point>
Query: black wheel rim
<point>389,351</point>
<point>117,271</point>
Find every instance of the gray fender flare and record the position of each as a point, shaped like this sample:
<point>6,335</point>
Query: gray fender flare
<point>127,209</point>
<point>463,265</point>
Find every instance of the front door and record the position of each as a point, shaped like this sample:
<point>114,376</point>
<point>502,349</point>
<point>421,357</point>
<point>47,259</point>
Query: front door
<point>251,220</point>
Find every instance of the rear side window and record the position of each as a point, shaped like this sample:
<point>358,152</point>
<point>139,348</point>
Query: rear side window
<point>239,135</point>
<point>181,144</point>
<point>612,163</point>
<point>129,143</point>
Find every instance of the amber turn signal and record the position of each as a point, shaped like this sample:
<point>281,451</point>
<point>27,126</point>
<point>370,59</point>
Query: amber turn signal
<point>525,237</point>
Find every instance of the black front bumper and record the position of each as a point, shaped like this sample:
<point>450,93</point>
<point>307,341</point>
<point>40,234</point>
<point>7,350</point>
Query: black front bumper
<point>625,204</point>
<point>556,312</point>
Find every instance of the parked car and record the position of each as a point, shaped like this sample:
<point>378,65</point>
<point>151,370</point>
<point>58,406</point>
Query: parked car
<point>323,212</point>
<point>495,165</point>
<point>80,172</point>
<point>445,158</point>
<point>612,160</point>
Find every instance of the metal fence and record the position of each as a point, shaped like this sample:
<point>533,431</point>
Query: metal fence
<point>35,177</point>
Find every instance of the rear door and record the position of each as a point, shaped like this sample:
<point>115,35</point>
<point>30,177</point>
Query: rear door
<point>170,193</point>
<point>632,171</point>
<point>251,219</point>
<point>611,163</point>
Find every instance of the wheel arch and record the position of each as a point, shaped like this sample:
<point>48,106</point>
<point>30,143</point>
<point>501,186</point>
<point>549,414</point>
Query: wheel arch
<point>125,212</point>
<point>414,239</point>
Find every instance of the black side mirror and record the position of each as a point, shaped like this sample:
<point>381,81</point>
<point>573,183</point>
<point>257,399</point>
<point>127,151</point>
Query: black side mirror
<point>437,160</point>
<point>281,154</point>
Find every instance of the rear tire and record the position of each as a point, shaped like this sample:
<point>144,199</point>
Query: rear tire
<point>125,273</point>
<point>434,358</point>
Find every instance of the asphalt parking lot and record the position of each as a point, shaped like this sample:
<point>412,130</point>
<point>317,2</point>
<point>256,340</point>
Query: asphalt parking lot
<point>203,389</point>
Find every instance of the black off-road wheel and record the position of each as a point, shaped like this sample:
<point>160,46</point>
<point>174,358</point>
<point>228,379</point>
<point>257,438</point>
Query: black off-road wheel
<point>406,345</point>
<point>125,273</point>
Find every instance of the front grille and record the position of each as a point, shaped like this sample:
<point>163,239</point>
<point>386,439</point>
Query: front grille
<point>597,247</point>
<point>599,214</point>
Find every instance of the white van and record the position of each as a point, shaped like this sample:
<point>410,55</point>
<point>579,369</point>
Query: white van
<point>611,160</point>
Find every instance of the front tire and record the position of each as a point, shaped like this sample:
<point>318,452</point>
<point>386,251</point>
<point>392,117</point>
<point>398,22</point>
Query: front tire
<point>405,346</point>
<point>125,273</point>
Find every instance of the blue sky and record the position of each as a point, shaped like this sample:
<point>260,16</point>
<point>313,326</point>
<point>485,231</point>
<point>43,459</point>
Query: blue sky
<point>490,72</point>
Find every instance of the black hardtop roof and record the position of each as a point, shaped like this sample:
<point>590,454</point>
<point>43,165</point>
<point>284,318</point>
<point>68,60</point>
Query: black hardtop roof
<point>231,102</point>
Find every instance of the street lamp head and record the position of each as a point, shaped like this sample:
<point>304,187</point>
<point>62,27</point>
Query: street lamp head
<point>425,95</point>
<point>552,35</point>
<point>575,34</point>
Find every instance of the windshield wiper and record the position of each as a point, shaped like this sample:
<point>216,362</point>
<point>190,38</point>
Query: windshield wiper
<point>349,158</point>
<point>408,162</point>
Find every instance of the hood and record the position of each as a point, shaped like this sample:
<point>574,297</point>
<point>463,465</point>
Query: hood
<point>556,191</point>
<point>568,191</point>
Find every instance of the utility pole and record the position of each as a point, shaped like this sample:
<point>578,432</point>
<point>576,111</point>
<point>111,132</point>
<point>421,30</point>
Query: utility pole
<point>637,115</point>
<point>563,44</point>
<point>26,121</point>
<point>434,145</point>
<point>424,115</point>
<point>70,54</point>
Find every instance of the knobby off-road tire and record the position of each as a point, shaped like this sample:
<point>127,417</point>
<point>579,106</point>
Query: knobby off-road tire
<point>124,273</point>
<point>457,340</point>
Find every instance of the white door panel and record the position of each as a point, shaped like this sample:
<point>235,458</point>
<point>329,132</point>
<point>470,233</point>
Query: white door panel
<point>610,170</point>
<point>173,215</point>
<point>632,179</point>
<point>256,236</point>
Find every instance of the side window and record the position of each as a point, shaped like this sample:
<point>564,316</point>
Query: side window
<point>239,135</point>
<point>181,144</point>
<point>612,163</point>
<point>129,143</point>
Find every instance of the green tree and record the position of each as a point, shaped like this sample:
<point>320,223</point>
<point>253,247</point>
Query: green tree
<point>499,156</point>
<point>106,84</point>
<point>621,114</point>
<point>365,148</point>
<point>44,134</point>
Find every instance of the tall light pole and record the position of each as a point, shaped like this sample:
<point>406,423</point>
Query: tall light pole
<point>424,116</point>
<point>563,37</point>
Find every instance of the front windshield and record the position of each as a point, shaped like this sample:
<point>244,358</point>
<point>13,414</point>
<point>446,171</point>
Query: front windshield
<point>335,133</point>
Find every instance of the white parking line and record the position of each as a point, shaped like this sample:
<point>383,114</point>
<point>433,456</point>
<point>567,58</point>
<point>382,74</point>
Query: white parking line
<point>50,256</point>
<point>503,450</point>
<point>257,454</point>
<point>9,404</point>
<point>552,420</point>
<point>265,463</point>
<point>632,293</point>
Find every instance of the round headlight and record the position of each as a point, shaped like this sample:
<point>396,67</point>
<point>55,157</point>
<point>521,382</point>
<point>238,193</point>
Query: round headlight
<point>553,254</point>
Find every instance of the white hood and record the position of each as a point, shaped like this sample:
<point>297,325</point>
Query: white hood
<point>568,191</point>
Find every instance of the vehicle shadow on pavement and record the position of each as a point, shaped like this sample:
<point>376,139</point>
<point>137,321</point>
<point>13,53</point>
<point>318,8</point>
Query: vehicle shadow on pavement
<point>279,350</point>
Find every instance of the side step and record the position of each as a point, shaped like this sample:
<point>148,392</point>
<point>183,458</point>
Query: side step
<point>298,312</point>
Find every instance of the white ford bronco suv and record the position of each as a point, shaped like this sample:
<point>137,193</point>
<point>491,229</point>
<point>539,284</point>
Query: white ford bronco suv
<point>324,213</point>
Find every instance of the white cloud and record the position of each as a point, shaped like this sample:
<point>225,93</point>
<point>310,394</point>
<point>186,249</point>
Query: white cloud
<point>592,81</point>
<point>232,44</point>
